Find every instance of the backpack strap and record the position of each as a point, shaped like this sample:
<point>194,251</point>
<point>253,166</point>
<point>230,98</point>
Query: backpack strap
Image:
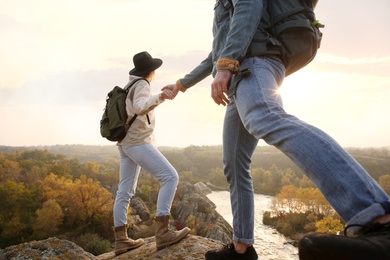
<point>132,119</point>
<point>127,91</point>
<point>133,82</point>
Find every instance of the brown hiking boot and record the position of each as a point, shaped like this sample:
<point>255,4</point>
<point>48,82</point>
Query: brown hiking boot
<point>166,237</point>
<point>123,243</point>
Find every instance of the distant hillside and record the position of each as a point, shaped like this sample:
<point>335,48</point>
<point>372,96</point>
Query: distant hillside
<point>84,153</point>
<point>375,160</point>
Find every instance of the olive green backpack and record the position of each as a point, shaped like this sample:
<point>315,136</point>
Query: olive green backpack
<point>113,124</point>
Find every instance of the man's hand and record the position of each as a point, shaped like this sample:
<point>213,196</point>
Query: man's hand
<point>173,88</point>
<point>219,87</point>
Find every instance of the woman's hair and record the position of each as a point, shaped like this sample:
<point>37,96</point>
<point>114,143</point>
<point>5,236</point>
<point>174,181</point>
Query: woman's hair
<point>149,76</point>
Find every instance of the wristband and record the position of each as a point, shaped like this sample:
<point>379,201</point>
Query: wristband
<point>228,64</point>
<point>181,86</point>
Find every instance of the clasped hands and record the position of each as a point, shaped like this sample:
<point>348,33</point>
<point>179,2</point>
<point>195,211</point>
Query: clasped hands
<point>219,88</point>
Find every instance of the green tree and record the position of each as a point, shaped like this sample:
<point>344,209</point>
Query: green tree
<point>217,177</point>
<point>17,211</point>
<point>14,231</point>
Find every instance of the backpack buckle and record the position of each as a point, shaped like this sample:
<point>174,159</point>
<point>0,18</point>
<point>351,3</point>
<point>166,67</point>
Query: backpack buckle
<point>226,3</point>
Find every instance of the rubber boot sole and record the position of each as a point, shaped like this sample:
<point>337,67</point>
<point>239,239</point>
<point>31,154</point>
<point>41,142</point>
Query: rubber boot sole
<point>129,248</point>
<point>169,243</point>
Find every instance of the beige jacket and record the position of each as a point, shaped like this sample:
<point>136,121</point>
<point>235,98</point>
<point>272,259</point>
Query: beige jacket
<point>140,101</point>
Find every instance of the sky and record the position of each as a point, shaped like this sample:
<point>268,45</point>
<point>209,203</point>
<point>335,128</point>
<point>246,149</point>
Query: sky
<point>59,59</point>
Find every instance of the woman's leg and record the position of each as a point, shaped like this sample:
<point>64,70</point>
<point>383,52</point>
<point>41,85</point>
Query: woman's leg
<point>128,177</point>
<point>149,158</point>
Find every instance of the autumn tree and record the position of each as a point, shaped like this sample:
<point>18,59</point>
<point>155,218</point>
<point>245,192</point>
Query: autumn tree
<point>289,178</point>
<point>300,200</point>
<point>305,182</point>
<point>286,199</point>
<point>384,182</point>
<point>329,224</point>
<point>83,201</point>
<point>92,201</point>
<point>311,199</point>
<point>89,169</point>
<point>56,188</point>
<point>272,180</point>
<point>49,219</point>
<point>9,170</point>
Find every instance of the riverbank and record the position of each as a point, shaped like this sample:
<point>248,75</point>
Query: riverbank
<point>269,244</point>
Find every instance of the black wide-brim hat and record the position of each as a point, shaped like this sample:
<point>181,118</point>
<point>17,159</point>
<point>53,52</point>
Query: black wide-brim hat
<point>144,63</point>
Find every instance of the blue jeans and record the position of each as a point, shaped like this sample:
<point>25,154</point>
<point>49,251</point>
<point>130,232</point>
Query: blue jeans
<point>148,157</point>
<point>256,112</point>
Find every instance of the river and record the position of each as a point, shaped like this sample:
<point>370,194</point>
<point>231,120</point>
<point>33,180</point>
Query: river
<point>269,244</point>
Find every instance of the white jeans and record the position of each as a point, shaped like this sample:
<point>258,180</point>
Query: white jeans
<point>148,157</point>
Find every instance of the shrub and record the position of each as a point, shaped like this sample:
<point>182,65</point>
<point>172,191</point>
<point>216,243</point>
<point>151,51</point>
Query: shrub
<point>93,243</point>
<point>285,229</point>
<point>297,221</point>
<point>268,220</point>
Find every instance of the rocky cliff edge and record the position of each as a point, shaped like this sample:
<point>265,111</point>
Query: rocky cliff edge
<point>190,248</point>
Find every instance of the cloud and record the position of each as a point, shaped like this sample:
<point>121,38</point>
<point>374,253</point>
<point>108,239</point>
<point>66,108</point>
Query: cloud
<point>363,65</point>
<point>60,59</point>
<point>331,58</point>
<point>82,87</point>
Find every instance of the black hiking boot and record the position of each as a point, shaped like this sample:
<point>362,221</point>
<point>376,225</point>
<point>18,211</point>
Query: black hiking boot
<point>373,243</point>
<point>228,253</point>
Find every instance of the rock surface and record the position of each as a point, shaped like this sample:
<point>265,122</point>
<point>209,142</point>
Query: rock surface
<point>139,208</point>
<point>51,248</point>
<point>191,208</point>
<point>202,188</point>
<point>198,212</point>
<point>190,248</point>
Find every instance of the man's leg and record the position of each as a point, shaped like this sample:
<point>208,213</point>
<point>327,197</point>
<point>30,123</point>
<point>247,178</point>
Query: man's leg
<point>352,192</point>
<point>238,147</point>
<point>346,185</point>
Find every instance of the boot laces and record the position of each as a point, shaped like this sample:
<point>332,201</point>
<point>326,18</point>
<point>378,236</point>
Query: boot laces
<point>368,228</point>
<point>226,247</point>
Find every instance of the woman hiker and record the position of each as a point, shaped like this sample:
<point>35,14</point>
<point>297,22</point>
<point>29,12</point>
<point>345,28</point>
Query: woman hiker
<point>137,151</point>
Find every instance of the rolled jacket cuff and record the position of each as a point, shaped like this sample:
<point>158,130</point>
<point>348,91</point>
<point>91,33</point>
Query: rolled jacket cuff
<point>228,64</point>
<point>181,86</point>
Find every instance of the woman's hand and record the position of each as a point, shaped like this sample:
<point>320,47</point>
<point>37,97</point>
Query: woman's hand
<point>173,88</point>
<point>166,94</point>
